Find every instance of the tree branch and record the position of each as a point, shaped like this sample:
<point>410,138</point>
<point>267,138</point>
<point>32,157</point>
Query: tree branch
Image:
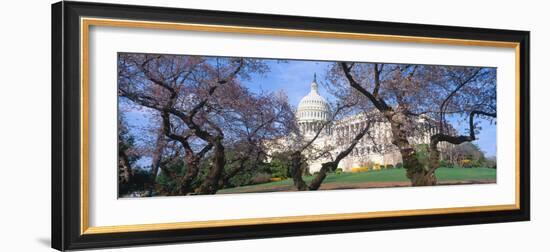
<point>450,95</point>
<point>440,137</point>
<point>354,143</point>
<point>378,103</point>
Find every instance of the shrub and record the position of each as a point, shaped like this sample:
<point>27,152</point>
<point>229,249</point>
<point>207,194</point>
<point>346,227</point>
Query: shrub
<point>247,174</point>
<point>368,164</point>
<point>491,162</point>
<point>138,184</point>
<point>279,168</point>
<point>467,163</point>
<point>399,165</point>
<point>475,163</point>
<point>338,171</point>
<point>167,182</point>
<point>359,169</point>
<point>261,178</point>
<point>389,166</point>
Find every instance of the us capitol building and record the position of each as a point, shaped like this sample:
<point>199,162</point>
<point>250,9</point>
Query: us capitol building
<point>373,150</point>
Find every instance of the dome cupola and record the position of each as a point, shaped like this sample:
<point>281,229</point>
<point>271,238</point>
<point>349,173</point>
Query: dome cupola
<point>313,107</point>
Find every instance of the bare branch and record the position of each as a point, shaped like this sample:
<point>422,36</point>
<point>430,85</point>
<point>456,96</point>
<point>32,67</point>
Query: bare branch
<point>378,103</point>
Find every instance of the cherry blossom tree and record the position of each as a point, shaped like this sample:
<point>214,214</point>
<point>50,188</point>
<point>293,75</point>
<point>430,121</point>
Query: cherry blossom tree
<point>204,108</point>
<point>403,93</point>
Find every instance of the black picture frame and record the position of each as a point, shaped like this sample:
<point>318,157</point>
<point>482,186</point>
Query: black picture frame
<point>66,114</point>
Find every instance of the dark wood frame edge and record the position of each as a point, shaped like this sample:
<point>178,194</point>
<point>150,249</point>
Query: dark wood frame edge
<point>66,126</point>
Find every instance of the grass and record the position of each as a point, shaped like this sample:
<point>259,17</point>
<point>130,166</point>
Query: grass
<point>356,180</point>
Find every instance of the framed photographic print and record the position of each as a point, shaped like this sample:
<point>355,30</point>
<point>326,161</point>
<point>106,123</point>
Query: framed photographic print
<point>180,125</point>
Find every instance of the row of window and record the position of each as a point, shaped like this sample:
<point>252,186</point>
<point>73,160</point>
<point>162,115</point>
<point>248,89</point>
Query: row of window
<point>356,152</point>
<point>314,127</point>
<point>345,132</point>
<point>317,114</point>
<point>314,102</point>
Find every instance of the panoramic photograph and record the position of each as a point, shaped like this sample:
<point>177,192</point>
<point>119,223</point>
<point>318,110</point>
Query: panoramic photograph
<point>202,125</point>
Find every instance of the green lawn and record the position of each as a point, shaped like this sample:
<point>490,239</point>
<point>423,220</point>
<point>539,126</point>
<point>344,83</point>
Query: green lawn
<point>380,177</point>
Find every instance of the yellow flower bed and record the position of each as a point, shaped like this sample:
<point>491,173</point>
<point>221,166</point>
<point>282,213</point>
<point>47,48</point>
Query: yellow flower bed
<point>375,167</point>
<point>275,179</point>
<point>359,169</point>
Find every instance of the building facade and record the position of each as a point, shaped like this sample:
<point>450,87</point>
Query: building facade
<point>373,150</point>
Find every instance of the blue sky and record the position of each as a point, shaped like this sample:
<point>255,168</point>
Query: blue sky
<point>295,76</point>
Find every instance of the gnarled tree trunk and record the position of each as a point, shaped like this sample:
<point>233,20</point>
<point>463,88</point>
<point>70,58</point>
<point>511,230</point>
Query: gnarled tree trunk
<point>211,182</point>
<point>318,180</point>
<point>124,168</point>
<point>155,163</point>
<point>296,171</point>
<point>416,172</point>
<point>192,169</point>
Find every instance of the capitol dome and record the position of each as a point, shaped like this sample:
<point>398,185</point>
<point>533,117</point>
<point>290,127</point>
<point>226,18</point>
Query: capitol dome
<point>313,107</point>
